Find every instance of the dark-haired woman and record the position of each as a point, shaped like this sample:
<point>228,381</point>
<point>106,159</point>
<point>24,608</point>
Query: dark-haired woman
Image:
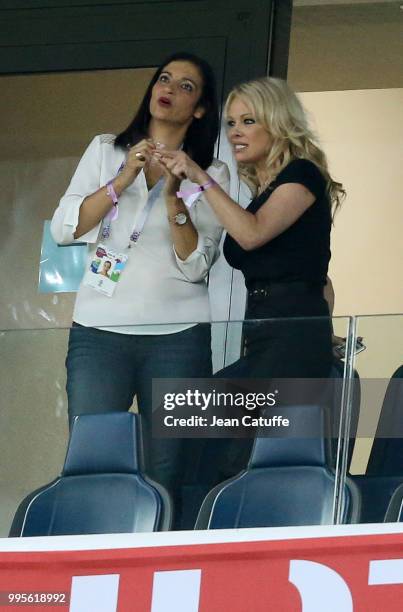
<point>122,202</point>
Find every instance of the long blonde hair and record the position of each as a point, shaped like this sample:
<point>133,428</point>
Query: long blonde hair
<point>277,108</point>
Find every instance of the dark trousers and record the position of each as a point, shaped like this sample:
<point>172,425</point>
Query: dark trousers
<point>286,336</point>
<point>105,370</point>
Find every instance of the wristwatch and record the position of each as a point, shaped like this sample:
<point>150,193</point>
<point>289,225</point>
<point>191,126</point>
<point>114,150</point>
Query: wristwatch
<point>179,219</point>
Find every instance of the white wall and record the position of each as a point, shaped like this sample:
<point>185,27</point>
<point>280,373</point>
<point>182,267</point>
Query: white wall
<point>362,135</point>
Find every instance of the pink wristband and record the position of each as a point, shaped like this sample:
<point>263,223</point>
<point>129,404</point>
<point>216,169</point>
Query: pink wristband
<point>198,189</point>
<point>111,192</point>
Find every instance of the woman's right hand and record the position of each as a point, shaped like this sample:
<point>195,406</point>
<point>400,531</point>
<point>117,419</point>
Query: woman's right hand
<point>138,156</point>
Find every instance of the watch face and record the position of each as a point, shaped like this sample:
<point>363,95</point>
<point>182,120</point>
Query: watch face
<point>180,218</point>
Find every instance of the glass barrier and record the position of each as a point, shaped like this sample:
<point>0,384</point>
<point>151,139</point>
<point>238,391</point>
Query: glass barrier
<point>284,387</point>
<point>376,468</point>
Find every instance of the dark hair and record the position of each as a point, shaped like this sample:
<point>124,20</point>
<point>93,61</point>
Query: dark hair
<point>201,134</point>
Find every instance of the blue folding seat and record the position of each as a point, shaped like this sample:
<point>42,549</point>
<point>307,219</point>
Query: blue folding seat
<point>101,488</point>
<point>394,512</point>
<point>386,458</point>
<point>384,472</point>
<point>287,481</point>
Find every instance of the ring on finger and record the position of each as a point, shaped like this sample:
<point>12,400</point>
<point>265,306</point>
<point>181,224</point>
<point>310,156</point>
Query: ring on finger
<point>140,156</point>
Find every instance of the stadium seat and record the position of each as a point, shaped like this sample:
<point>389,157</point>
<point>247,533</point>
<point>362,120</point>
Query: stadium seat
<point>287,481</point>
<point>101,488</point>
<point>386,458</point>
<point>375,494</point>
<point>384,472</point>
<point>394,512</point>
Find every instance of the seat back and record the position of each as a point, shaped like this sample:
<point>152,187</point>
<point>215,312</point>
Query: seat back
<point>375,493</point>
<point>287,481</point>
<point>394,512</point>
<point>386,458</point>
<point>101,488</point>
<point>384,471</point>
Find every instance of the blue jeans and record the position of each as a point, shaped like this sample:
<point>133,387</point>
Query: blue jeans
<point>105,370</point>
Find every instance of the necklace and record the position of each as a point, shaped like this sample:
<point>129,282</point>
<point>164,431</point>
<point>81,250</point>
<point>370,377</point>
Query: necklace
<point>264,186</point>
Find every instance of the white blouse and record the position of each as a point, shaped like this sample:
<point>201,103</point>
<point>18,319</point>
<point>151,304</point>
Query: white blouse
<point>157,289</point>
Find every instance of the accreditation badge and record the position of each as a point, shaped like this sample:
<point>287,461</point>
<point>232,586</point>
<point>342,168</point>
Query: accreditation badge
<point>105,269</point>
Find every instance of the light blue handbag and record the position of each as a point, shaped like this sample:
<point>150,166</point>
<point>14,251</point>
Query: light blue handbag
<point>61,268</point>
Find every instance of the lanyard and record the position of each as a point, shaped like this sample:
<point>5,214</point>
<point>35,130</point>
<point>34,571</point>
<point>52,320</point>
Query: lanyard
<point>153,194</point>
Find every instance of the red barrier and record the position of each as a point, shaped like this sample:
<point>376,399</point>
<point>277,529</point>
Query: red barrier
<point>225,572</point>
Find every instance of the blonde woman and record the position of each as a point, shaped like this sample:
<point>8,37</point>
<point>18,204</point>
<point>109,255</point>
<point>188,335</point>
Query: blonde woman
<point>281,242</point>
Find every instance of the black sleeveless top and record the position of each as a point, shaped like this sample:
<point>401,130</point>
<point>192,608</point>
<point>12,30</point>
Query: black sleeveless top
<point>300,253</point>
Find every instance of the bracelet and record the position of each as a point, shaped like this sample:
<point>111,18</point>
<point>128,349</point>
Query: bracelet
<point>111,192</point>
<point>199,189</point>
<point>113,214</point>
